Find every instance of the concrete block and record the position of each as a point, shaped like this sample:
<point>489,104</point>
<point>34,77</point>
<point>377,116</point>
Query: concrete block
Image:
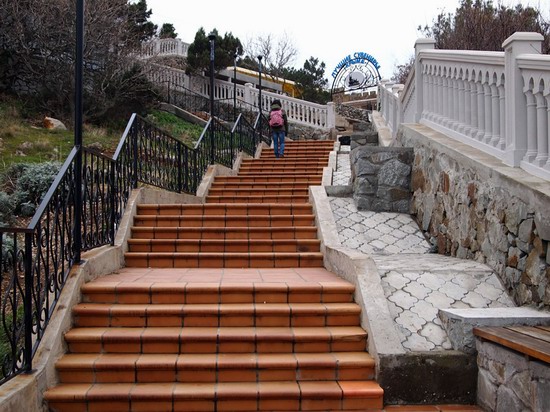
<point>459,323</point>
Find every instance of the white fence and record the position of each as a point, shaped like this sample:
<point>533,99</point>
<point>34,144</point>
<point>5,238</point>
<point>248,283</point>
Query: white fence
<point>498,102</point>
<point>298,111</point>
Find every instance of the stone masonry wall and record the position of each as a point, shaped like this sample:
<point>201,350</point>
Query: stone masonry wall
<point>381,178</point>
<point>469,209</point>
<point>509,381</point>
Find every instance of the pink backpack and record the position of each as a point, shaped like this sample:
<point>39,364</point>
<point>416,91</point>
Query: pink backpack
<point>276,118</point>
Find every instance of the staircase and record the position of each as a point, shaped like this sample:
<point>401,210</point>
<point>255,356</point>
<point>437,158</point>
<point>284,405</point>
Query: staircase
<point>260,218</point>
<point>276,333</point>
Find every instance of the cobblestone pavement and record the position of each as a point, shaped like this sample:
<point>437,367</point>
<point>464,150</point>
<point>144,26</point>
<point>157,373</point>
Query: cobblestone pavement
<point>416,283</point>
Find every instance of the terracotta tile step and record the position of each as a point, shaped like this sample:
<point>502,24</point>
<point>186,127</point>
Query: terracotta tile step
<point>213,245</point>
<point>288,175</point>
<point>261,185</point>
<point>263,179</point>
<point>211,368</point>
<point>216,314</point>
<point>223,191</point>
<point>242,292</point>
<point>216,339</point>
<point>223,209</point>
<point>287,159</point>
<point>224,260</point>
<point>230,233</point>
<point>283,164</point>
<point>223,221</point>
<point>257,199</point>
<point>226,396</point>
<point>243,171</point>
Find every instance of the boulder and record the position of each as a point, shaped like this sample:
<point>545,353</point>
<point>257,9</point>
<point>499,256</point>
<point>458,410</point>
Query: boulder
<point>53,124</point>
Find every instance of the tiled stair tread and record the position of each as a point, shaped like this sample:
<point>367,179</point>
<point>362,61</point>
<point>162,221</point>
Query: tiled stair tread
<point>223,220</point>
<point>316,178</point>
<point>256,199</point>
<point>224,259</point>
<point>258,191</point>
<point>342,391</point>
<point>261,185</point>
<point>224,314</point>
<point>213,292</point>
<point>182,335</point>
<point>182,367</point>
<point>235,232</point>
<point>233,209</point>
<point>225,245</point>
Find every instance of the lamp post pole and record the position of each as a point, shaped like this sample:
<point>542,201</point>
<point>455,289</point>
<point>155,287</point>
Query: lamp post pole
<point>212,38</point>
<point>78,115</point>
<point>260,90</point>
<point>235,85</point>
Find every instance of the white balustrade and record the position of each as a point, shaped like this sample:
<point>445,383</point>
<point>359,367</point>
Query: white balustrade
<point>164,47</point>
<point>298,111</point>
<point>498,102</point>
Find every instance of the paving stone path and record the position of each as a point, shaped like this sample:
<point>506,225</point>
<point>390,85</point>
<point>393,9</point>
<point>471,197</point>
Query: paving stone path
<point>416,283</point>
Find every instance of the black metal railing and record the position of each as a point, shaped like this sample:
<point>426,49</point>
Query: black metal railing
<point>35,261</point>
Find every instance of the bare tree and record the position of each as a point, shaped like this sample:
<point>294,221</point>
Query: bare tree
<point>37,55</point>
<point>278,53</point>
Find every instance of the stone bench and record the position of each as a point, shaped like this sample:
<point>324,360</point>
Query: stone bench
<point>514,368</point>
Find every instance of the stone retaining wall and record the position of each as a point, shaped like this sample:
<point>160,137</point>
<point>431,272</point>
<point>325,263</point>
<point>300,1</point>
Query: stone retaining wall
<point>472,206</point>
<point>510,381</point>
<point>381,178</point>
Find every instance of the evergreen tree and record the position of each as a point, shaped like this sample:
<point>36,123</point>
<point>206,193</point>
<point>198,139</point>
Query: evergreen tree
<point>139,24</point>
<point>198,55</point>
<point>168,31</point>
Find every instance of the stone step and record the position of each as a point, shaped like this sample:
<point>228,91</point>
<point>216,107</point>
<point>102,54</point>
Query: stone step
<point>223,220</point>
<point>211,368</point>
<point>228,233</point>
<point>224,396</point>
<point>220,246</point>
<point>223,260</point>
<point>216,339</point>
<point>216,315</point>
<point>214,292</point>
<point>217,209</point>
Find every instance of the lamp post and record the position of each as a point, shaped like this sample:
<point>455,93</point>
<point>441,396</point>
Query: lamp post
<point>260,90</point>
<point>212,38</point>
<point>235,84</point>
<point>78,115</point>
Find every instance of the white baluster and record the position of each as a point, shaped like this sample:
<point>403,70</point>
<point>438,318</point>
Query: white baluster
<point>495,117</point>
<point>531,127</point>
<point>488,126</point>
<point>480,111</point>
<point>542,130</point>
<point>473,111</point>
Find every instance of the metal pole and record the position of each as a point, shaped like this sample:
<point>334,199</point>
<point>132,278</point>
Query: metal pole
<point>212,38</point>
<point>235,86</point>
<point>260,91</point>
<point>79,65</point>
<point>27,300</point>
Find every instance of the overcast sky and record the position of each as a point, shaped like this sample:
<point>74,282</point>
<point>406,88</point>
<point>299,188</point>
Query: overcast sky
<point>385,29</point>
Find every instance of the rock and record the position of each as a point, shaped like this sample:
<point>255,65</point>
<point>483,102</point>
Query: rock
<point>53,124</point>
<point>25,147</point>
